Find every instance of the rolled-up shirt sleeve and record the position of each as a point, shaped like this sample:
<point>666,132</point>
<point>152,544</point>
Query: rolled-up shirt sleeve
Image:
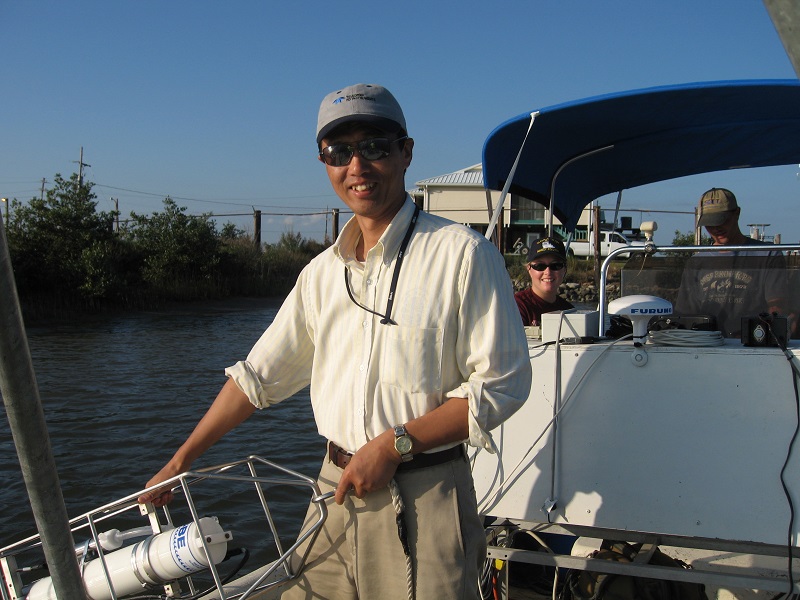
<point>280,362</point>
<point>491,351</point>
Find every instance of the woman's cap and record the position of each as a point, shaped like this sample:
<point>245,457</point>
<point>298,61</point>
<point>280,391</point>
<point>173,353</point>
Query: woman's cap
<point>545,246</point>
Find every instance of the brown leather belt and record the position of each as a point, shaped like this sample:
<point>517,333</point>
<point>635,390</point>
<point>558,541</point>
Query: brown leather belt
<point>341,457</point>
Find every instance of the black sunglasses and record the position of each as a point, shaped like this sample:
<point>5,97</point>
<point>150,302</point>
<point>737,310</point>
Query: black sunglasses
<point>553,266</point>
<point>340,155</point>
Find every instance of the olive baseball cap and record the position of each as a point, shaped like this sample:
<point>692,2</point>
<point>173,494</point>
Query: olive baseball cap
<point>364,102</point>
<point>545,246</point>
<point>714,207</point>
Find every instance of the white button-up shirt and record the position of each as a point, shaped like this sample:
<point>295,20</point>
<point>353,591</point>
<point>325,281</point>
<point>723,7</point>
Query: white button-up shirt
<point>457,334</point>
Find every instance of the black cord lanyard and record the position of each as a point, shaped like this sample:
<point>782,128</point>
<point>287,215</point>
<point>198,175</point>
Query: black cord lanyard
<point>386,319</point>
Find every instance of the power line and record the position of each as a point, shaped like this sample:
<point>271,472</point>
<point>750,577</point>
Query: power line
<point>245,202</point>
<point>272,214</point>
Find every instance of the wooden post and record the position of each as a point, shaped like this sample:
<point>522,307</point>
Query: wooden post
<point>335,223</point>
<point>698,231</point>
<point>596,238</point>
<point>257,229</point>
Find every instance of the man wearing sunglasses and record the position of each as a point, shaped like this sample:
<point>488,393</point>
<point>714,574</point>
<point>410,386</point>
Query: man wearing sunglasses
<point>405,329</point>
<point>547,266</point>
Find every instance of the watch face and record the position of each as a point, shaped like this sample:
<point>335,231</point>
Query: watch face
<point>403,444</point>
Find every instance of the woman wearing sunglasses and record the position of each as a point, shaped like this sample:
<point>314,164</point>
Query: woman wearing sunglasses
<point>547,266</point>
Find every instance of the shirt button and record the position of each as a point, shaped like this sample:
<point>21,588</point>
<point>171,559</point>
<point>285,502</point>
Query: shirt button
<point>361,368</point>
<point>360,412</point>
<point>364,324</point>
<point>369,281</point>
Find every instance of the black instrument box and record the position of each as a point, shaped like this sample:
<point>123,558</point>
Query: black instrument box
<point>765,330</point>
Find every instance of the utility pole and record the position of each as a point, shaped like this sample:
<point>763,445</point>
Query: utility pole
<point>116,214</point>
<point>335,223</point>
<point>43,182</point>
<point>257,228</point>
<point>81,164</point>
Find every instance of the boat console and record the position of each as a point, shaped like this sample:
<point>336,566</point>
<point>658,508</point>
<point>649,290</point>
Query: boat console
<point>659,434</point>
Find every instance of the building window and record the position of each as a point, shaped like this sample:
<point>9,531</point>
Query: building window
<point>526,210</point>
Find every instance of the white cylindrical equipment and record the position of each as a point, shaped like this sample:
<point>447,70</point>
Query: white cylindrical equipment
<point>156,560</point>
<point>640,309</point>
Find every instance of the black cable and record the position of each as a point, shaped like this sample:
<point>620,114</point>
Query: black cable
<point>386,319</point>
<point>795,373</point>
<point>245,556</point>
<point>789,545</point>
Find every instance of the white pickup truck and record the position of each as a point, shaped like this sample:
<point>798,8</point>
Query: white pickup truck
<point>609,240</point>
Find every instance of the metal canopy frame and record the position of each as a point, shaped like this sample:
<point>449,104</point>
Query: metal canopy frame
<point>647,136</point>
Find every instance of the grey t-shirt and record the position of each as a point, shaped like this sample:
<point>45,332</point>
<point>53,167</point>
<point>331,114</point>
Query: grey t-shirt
<point>734,284</point>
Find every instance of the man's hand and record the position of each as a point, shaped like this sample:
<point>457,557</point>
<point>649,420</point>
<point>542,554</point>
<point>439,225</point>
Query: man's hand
<point>229,409</point>
<point>370,469</point>
<point>374,465</point>
<point>162,496</point>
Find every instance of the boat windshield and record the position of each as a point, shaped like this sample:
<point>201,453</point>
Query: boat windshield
<point>715,290</point>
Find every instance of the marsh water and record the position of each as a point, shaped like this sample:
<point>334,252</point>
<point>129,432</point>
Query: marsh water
<point>120,393</point>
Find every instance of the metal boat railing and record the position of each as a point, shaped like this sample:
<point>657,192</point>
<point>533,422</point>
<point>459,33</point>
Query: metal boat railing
<point>732,576</point>
<point>185,487</point>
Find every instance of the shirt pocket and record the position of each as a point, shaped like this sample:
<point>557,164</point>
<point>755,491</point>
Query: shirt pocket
<point>411,359</point>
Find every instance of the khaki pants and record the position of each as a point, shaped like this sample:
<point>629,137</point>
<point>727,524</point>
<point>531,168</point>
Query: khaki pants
<point>358,554</point>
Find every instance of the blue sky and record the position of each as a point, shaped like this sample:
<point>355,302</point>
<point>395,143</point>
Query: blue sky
<point>214,103</point>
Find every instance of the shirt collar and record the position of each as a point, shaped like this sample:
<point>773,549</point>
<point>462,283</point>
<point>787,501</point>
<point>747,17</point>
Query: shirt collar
<point>389,242</point>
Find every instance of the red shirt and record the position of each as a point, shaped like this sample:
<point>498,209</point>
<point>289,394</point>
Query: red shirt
<point>532,306</point>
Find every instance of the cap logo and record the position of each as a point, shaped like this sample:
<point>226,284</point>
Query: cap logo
<point>351,97</point>
<point>548,246</point>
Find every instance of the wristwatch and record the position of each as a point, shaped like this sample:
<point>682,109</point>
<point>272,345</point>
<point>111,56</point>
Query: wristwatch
<point>403,443</point>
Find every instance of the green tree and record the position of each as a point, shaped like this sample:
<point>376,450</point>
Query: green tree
<point>687,239</point>
<point>231,232</point>
<point>296,243</point>
<point>281,263</point>
<point>61,245</point>
<point>180,253</point>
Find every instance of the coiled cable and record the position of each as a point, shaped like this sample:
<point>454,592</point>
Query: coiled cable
<point>686,338</point>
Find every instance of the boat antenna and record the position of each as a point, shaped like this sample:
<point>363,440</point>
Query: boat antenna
<point>509,179</point>
<point>616,210</point>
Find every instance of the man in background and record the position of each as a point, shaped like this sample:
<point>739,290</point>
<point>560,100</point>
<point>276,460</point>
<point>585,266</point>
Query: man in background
<point>733,284</point>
